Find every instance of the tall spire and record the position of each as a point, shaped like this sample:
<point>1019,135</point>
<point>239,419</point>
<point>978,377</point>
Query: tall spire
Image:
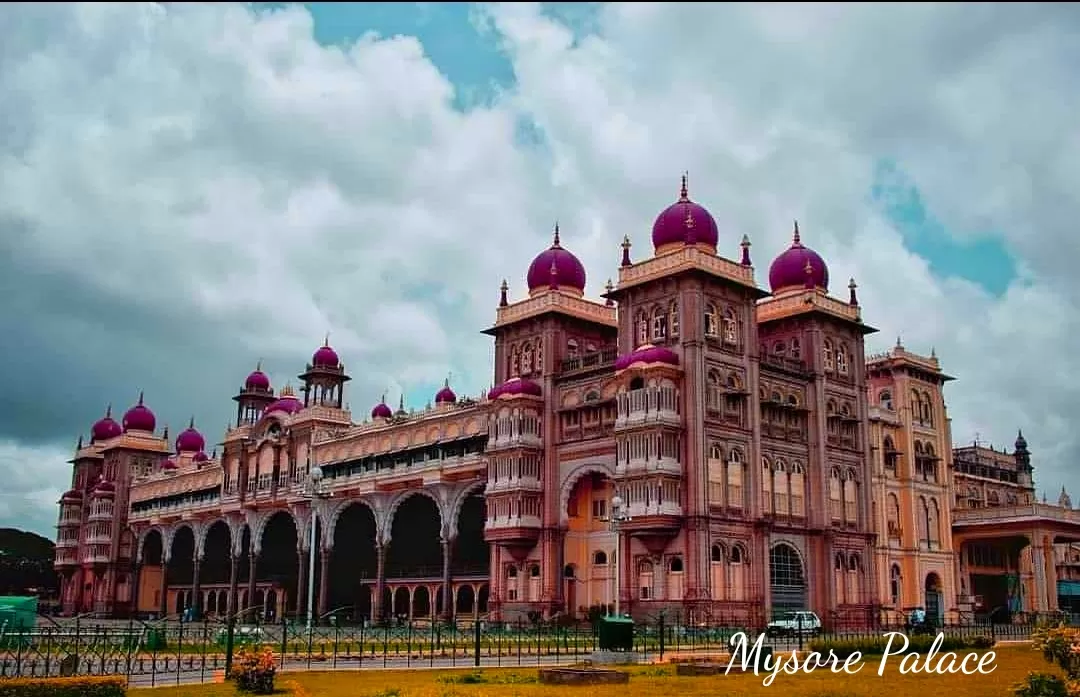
<point>140,398</point>
<point>626,250</point>
<point>745,245</point>
<point>108,410</point>
<point>258,365</point>
<point>191,422</point>
<point>503,289</point>
<point>852,299</point>
<point>555,241</point>
<point>684,191</point>
<point>795,239</point>
<point>326,341</point>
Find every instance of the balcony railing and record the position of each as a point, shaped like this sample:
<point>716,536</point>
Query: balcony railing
<point>590,361</point>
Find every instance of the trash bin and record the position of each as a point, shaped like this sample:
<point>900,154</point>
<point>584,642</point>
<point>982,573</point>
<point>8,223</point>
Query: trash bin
<point>616,634</point>
<point>155,640</point>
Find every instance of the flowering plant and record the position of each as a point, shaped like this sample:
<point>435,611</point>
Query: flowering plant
<point>254,671</point>
<point>1059,646</point>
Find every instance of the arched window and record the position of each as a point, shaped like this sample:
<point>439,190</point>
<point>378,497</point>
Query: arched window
<point>659,324</point>
<point>599,558</point>
<point>787,578</point>
<point>738,572</point>
<point>526,359</point>
<point>642,328</point>
<point>933,524</point>
<point>675,579</point>
<point>780,488</point>
<point>795,349</point>
<point>827,355</point>
<point>841,360</point>
<point>766,486</point>
<point>673,318</point>
<point>515,362</point>
<point>716,474</point>
<point>735,477</point>
<point>885,400</point>
<point>894,585</point>
<point>851,497</point>
<point>538,356</point>
<point>645,580</point>
<point>836,496</point>
<point>711,327</point>
<point>731,327</point>
<point>923,522</point>
<point>890,455</point>
<point>797,489</point>
<point>892,513</point>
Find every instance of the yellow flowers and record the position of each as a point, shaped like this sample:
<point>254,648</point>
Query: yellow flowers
<point>254,671</point>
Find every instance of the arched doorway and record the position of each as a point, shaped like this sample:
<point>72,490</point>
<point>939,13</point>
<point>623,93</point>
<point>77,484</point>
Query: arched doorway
<point>149,591</point>
<point>415,550</point>
<point>787,579</point>
<point>353,564</point>
<point>279,560</point>
<point>570,589</point>
<point>471,554</point>
<point>182,566</point>
<point>934,606</point>
<point>216,565</point>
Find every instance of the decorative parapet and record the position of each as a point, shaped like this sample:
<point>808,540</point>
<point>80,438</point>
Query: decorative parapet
<point>997,515</point>
<point>558,301</point>
<point>181,481</point>
<point>685,259</point>
<point>800,300</point>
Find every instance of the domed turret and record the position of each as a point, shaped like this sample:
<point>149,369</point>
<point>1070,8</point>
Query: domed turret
<point>104,490</point>
<point>140,418</point>
<point>200,457</point>
<point>684,223</point>
<point>515,387</point>
<point>169,465</point>
<point>556,267</point>
<point>257,381</point>
<point>798,267</point>
<point>382,410</point>
<point>646,355</point>
<point>325,357</point>
<point>445,395</point>
<point>190,440</point>
<point>106,428</point>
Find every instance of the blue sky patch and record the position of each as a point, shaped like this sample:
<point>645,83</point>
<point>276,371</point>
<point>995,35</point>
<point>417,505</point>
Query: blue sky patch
<point>984,260</point>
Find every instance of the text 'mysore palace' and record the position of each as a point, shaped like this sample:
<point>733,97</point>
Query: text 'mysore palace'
<point>765,462</point>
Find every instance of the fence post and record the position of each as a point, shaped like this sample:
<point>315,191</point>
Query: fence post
<point>476,643</point>
<point>284,639</point>
<point>661,630</point>
<point>230,629</point>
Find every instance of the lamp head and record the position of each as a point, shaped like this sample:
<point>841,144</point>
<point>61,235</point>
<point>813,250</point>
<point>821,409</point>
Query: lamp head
<point>616,502</point>
<point>316,473</point>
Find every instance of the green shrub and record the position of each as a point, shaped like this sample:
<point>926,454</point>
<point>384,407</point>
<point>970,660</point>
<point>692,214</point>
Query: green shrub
<point>875,645</point>
<point>111,686</point>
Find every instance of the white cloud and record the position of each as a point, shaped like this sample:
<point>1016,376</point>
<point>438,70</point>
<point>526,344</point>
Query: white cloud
<point>209,185</point>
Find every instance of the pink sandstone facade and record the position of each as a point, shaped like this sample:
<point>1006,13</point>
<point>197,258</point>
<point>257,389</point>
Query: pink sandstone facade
<point>765,462</point>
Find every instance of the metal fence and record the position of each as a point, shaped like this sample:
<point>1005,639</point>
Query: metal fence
<point>157,653</point>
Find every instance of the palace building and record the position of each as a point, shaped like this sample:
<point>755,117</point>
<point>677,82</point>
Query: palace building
<point>764,462</point>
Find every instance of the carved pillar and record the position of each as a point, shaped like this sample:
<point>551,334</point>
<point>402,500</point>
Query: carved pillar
<point>136,581</point>
<point>324,579</point>
<point>447,596</point>
<point>164,599</point>
<point>377,610</point>
<point>253,564</point>
<point>196,590</point>
<point>302,580</point>
<point>234,577</point>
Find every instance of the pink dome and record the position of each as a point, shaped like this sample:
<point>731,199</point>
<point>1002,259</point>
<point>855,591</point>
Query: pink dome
<point>647,354</point>
<point>257,381</point>
<point>287,403</point>
<point>201,457</point>
<point>140,418</point>
<point>106,428</point>
<point>445,395</point>
<point>190,441</point>
<point>325,357</point>
<point>514,387</point>
<point>168,465</point>
<point>789,270</point>
<point>684,222</point>
<point>568,270</point>
<point>381,410</point>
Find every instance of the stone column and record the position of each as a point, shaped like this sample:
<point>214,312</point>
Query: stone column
<point>136,581</point>
<point>1050,575</point>
<point>234,577</point>
<point>196,591</point>
<point>164,600</point>
<point>447,598</point>
<point>377,610</point>
<point>324,580</point>
<point>302,580</point>
<point>253,564</point>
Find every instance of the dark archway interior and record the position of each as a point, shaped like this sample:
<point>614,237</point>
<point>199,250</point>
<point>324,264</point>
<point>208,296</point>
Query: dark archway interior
<point>182,559</point>
<point>471,554</point>
<point>415,546</point>
<point>152,548</point>
<point>278,557</point>
<point>245,549</point>
<point>216,563</point>
<point>353,562</point>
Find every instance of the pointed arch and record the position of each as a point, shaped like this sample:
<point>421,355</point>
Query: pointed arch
<point>572,479</point>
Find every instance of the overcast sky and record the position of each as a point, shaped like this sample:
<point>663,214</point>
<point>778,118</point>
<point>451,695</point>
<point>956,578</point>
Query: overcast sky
<point>187,189</point>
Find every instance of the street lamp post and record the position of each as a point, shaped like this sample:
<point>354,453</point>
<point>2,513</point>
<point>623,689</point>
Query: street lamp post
<point>315,493</point>
<point>619,515</point>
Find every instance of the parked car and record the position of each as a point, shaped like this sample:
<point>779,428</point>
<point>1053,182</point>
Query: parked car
<point>801,622</point>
